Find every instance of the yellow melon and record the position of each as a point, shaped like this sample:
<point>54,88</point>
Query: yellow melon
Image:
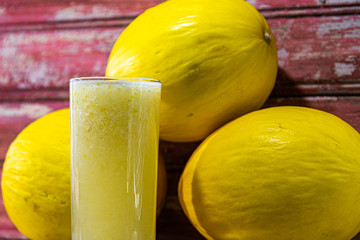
<point>277,174</point>
<point>216,59</point>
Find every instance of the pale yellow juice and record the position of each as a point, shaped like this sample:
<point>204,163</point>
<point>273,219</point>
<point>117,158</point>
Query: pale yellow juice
<point>114,131</point>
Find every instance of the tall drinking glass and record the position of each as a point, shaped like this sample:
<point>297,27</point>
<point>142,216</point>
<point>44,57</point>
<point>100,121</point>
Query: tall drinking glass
<point>114,147</point>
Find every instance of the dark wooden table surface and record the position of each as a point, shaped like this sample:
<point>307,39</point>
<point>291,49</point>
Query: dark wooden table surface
<point>45,43</point>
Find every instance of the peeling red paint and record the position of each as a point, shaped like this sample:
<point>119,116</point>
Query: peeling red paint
<point>44,59</point>
<point>310,47</point>
<point>15,11</point>
<point>19,11</point>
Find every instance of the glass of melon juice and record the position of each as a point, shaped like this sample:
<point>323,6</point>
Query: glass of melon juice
<point>114,149</point>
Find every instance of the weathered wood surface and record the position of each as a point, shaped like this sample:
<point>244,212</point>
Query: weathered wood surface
<point>21,11</point>
<point>45,43</point>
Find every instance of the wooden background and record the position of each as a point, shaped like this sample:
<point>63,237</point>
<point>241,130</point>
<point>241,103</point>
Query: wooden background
<point>44,43</point>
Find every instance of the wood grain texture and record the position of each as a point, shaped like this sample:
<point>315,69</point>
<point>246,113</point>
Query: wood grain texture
<point>48,59</point>
<point>25,12</point>
<point>286,4</point>
<point>21,11</point>
<point>324,49</point>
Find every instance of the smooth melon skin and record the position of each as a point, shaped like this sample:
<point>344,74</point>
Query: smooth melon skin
<point>216,59</point>
<point>280,173</point>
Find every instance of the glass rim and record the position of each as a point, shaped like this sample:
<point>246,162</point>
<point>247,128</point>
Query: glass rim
<point>117,79</point>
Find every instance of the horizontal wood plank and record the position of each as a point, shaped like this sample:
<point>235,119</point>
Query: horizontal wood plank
<point>124,19</point>
<point>21,11</point>
<point>24,12</point>
<point>318,50</point>
<point>306,12</point>
<point>280,90</point>
<point>293,89</point>
<point>48,59</point>
<point>286,4</point>
<point>34,94</point>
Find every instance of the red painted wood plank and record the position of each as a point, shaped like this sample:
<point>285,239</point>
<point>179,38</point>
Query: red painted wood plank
<point>122,20</point>
<point>280,90</point>
<point>293,89</point>
<point>311,50</point>
<point>20,11</point>
<point>43,59</point>
<point>276,4</point>
<point>303,12</point>
<point>34,94</point>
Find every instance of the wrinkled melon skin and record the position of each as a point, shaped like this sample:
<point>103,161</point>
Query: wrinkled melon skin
<point>216,59</point>
<point>277,174</point>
